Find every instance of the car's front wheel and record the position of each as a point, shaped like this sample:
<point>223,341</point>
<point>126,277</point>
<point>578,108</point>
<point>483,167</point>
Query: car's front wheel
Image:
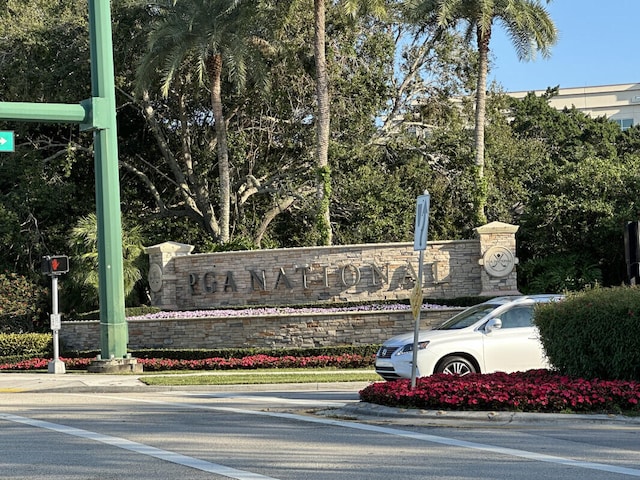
<point>455,365</point>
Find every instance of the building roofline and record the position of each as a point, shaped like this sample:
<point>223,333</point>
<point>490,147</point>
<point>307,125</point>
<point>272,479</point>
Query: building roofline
<point>586,88</point>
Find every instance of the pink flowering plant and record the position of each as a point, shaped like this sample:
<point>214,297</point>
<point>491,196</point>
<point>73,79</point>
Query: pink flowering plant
<point>532,391</point>
<point>251,362</point>
<point>271,311</point>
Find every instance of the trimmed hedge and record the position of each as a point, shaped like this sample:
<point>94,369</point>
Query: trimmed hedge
<point>594,334</point>
<point>26,345</point>
<point>129,312</point>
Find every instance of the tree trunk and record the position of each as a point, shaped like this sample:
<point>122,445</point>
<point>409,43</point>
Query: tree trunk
<point>197,204</point>
<point>480,199</point>
<point>323,175</point>
<point>215,72</point>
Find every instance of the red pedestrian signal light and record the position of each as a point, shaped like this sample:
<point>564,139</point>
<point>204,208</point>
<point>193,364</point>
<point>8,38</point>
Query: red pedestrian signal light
<point>55,265</point>
<point>59,264</point>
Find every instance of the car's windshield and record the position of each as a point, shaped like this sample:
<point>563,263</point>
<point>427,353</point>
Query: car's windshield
<point>468,317</point>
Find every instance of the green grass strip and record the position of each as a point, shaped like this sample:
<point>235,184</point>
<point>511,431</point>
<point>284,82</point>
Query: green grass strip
<point>256,378</point>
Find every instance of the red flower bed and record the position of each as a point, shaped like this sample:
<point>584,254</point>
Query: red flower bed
<point>246,363</point>
<point>532,391</point>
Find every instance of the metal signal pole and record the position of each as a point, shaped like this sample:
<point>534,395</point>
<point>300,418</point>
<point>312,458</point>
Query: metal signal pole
<point>98,114</point>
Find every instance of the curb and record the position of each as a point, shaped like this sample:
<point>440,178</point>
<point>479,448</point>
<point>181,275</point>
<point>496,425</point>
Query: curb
<point>380,413</point>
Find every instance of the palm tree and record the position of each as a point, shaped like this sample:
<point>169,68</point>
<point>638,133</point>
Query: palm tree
<point>204,38</point>
<point>323,120</point>
<point>528,26</point>
<point>83,242</point>
<point>352,8</point>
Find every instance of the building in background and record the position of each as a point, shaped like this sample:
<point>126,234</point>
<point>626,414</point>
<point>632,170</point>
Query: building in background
<point>620,103</point>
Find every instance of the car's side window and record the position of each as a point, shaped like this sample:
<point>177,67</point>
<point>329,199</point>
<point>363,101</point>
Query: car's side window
<point>517,317</point>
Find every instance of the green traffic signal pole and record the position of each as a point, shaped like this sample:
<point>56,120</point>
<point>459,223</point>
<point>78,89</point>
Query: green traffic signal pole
<point>113,325</point>
<point>98,114</point>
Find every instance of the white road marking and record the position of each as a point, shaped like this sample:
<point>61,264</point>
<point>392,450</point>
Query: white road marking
<point>241,475</point>
<point>140,448</point>
<point>265,399</point>
<point>539,457</point>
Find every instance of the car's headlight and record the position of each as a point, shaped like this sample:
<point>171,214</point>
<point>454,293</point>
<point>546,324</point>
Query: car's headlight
<point>408,348</point>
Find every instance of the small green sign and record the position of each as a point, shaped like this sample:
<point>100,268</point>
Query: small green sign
<point>7,143</point>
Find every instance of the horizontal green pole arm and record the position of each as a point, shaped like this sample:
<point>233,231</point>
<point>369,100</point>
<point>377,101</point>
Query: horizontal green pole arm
<point>45,112</point>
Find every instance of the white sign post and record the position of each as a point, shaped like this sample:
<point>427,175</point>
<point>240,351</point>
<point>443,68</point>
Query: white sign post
<point>56,365</point>
<point>419,244</point>
<point>54,266</point>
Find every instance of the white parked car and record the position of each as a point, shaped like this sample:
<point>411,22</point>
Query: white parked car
<point>497,335</point>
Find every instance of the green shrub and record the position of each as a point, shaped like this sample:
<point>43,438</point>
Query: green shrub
<point>558,273</point>
<point>594,334</point>
<point>15,359</point>
<point>26,345</point>
<point>129,312</point>
<point>141,310</point>
<point>22,304</point>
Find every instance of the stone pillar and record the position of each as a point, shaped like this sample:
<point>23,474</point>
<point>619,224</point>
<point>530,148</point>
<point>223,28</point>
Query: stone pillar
<point>162,275</point>
<point>498,259</point>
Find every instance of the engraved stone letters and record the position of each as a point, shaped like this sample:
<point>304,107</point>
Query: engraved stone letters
<point>306,277</point>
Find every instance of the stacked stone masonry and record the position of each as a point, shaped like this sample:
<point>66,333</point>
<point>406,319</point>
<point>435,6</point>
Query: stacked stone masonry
<point>181,280</point>
<point>273,331</point>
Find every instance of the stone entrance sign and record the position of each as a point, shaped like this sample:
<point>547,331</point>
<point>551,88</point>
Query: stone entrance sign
<point>182,280</point>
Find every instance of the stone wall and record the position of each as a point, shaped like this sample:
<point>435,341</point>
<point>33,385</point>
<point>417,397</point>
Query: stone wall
<point>180,280</point>
<point>271,331</point>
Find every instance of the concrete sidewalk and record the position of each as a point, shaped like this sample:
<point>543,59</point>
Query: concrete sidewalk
<point>81,382</point>
<point>40,382</point>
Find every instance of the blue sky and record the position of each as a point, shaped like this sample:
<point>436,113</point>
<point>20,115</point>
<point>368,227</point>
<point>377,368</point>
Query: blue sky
<point>597,45</point>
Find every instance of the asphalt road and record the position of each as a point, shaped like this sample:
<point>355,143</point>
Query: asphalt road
<point>285,434</point>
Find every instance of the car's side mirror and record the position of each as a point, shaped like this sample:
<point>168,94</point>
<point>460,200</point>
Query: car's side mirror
<point>493,324</point>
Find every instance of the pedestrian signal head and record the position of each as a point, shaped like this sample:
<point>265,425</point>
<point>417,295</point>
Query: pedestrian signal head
<point>55,265</point>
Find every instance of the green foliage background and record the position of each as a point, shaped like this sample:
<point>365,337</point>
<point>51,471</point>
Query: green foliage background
<point>568,180</point>
<point>22,304</point>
